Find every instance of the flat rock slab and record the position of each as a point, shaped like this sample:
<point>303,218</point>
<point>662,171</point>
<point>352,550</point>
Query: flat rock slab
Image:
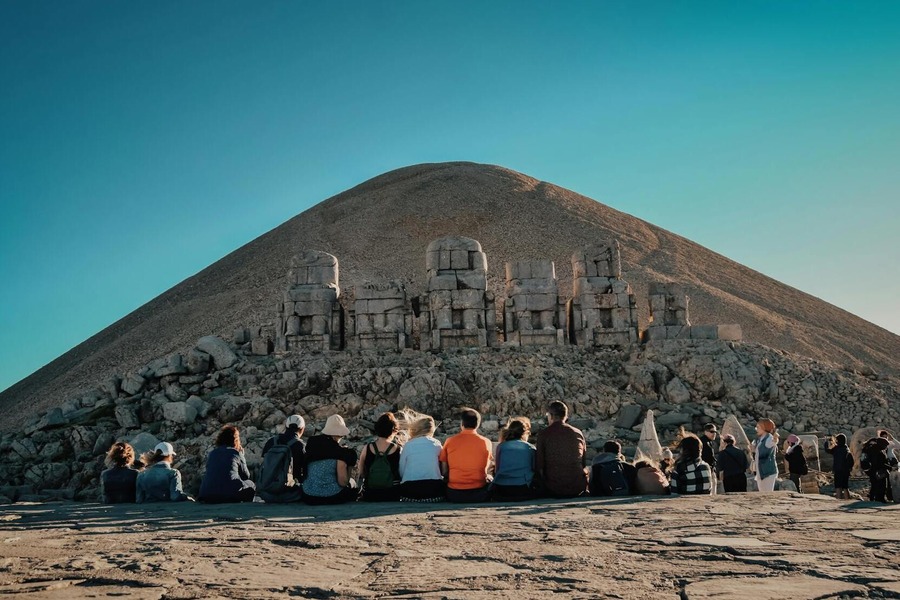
<point>799,587</point>
<point>77,589</point>
<point>727,541</point>
<point>879,535</point>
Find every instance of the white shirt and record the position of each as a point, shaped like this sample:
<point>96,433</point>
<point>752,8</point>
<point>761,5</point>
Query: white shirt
<point>419,459</point>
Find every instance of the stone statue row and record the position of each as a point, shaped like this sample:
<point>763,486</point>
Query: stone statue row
<point>457,309</point>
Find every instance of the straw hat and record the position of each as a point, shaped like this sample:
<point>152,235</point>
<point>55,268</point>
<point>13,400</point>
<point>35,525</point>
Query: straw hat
<point>335,426</point>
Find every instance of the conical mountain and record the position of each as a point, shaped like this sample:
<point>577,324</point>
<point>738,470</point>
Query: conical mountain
<point>380,229</point>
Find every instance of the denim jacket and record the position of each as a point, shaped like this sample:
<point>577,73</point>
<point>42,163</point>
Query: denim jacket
<point>765,457</point>
<point>160,483</point>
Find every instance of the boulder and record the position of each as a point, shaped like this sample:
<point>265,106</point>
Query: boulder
<point>174,365</point>
<point>199,405</point>
<point>181,413</point>
<point>673,419</point>
<point>24,448</point>
<point>221,353</point>
<point>197,361</point>
<point>104,442</point>
<point>127,416</point>
<point>628,416</point>
<point>54,418</point>
<point>133,384</point>
<point>47,475</point>
<point>176,393</point>
<point>143,442</point>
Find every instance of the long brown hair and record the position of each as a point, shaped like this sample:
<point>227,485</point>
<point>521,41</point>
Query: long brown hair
<point>121,454</point>
<point>229,437</point>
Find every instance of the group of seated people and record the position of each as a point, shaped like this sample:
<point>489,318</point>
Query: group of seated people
<point>465,468</point>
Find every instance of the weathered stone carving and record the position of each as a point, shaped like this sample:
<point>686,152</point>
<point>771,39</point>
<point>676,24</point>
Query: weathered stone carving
<point>381,317</point>
<point>457,310</point>
<point>670,318</point>
<point>532,312</point>
<point>309,315</point>
<point>602,311</point>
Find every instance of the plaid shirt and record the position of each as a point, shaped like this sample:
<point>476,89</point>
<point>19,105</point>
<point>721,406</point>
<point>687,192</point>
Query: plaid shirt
<point>693,478</point>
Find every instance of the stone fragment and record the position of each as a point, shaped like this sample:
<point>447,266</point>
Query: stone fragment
<point>628,416</point>
<point>673,419</point>
<point>103,444</point>
<point>24,448</point>
<point>181,413</point>
<point>176,393</point>
<point>143,442</point>
<point>197,361</point>
<point>127,416</point>
<point>174,365</point>
<point>54,418</point>
<point>133,384</point>
<point>47,475</point>
<point>221,354</point>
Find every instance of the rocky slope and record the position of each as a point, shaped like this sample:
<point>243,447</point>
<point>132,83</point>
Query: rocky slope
<point>380,229</point>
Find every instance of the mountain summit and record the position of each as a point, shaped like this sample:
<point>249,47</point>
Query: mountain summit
<point>380,230</point>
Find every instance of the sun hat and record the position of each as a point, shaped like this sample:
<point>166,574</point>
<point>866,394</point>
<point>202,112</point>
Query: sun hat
<point>335,426</point>
<point>165,448</point>
<point>295,420</point>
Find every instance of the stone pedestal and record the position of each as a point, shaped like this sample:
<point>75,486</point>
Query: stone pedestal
<point>670,318</point>
<point>310,316</point>
<point>381,317</point>
<point>532,312</point>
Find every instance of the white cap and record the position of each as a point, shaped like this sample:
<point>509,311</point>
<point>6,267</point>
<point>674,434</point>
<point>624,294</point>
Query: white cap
<point>165,448</point>
<point>296,420</point>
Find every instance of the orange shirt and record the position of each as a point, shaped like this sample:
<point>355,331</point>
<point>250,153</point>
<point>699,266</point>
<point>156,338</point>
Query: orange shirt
<point>467,455</point>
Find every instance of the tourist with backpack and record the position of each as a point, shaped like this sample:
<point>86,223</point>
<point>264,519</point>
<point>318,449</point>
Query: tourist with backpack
<point>514,463</point>
<point>611,475</point>
<point>284,464</point>
<point>842,464</point>
<point>732,464</point>
<point>379,462</point>
<point>873,460</point>
<point>795,459</point>
<point>692,475</point>
<point>329,465</point>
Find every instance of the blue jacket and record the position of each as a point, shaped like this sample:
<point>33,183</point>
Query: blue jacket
<point>159,483</point>
<point>515,463</point>
<point>226,475</point>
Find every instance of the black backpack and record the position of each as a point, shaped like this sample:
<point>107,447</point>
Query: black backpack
<point>277,467</point>
<point>608,479</point>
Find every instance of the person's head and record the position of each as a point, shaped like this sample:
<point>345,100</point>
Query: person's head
<point>612,447</point>
<point>387,426</point>
<point>121,454</point>
<point>557,411</point>
<point>793,440</point>
<point>163,452</point>
<point>840,439</point>
<point>690,448</point>
<point>764,426</point>
<point>335,427</point>
<point>469,418</point>
<point>728,439</point>
<point>229,437</point>
<point>423,426</point>
<point>643,464</point>
<point>517,429</point>
<point>884,434</point>
<point>709,430</point>
<point>295,424</point>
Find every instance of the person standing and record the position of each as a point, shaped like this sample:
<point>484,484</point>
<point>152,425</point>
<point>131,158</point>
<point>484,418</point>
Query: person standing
<point>560,461</point>
<point>732,464</point>
<point>465,461</point>
<point>874,462</point>
<point>796,460</point>
<point>764,449</point>
<point>842,464</point>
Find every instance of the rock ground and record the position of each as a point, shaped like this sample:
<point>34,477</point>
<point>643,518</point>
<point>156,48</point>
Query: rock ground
<point>779,545</point>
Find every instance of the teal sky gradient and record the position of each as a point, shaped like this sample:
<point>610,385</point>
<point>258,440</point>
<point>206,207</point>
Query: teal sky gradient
<point>140,142</point>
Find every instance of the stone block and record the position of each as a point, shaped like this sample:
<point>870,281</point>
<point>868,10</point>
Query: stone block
<point>261,346</point>
<point>731,332</point>
<point>181,413</point>
<point>541,302</point>
<point>315,293</point>
<point>476,279</point>
<point>241,335</point>
<point>619,286</point>
<point>467,299</point>
<point>442,282</point>
<point>592,285</point>
<point>672,420</point>
<point>293,325</point>
<point>174,365</point>
<point>197,361</point>
<point>704,332</point>
<point>655,333</point>
<point>478,261</point>
<point>459,259</point>
<point>520,269</point>
<point>543,269</point>
<point>516,287</point>
<point>176,393</point>
<point>628,415</point>
<point>127,416</point>
<point>221,354</point>
<point>386,305</point>
<point>454,242</point>
<point>133,384</point>
<point>320,325</point>
<point>322,275</point>
<point>444,260</point>
<point>433,261</point>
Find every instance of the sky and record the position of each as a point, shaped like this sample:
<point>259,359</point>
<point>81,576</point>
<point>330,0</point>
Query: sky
<point>142,141</point>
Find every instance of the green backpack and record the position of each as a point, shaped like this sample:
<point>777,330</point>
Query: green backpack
<point>381,474</point>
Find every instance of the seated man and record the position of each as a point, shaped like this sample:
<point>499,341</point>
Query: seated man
<point>560,460</point>
<point>611,475</point>
<point>465,460</point>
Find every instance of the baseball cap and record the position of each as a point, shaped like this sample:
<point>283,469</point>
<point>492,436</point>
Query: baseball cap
<point>165,448</point>
<point>295,420</point>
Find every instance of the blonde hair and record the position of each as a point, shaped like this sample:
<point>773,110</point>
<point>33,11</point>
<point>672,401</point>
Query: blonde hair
<point>414,424</point>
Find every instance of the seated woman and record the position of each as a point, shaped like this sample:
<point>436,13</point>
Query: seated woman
<point>227,478</point>
<point>379,462</point>
<point>692,475</point>
<point>514,463</point>
<point>650,480</point>
<point>420,470</point>
<point>159,482</point>
<point>328,466</point>
<point>118,482</point>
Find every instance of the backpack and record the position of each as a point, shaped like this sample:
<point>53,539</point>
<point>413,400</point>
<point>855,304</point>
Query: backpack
<point>609,479</point>
<point>381,474</point>
<point>277,468</point>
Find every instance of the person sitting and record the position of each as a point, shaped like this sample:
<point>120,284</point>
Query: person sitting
<point>284,464</point>
<point>842,464</point>
<point>118,482</point>
<point>328,466</point>
<point>611,475</point>
<point>514,463</point>
<point>466,459</point>
<point>379,462</point>
<point>560,460</point>
<point>227,478</point>
<point>649,480</point>
<point>420,469</point>
<point>692,475</point>
<point>159,482</point>
<point>796,461</point>
<point>732,463</point>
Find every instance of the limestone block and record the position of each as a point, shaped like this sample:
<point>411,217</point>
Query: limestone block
<point>133,384</point>
<point>520,269</point>
<point>197,361</point>
<point>176,393</point>
<point>127,416</point>
<point>655,333</point>
<point>478,261</point>
<point>475,279</point>
<point>541,302</point>
<point>181,413</point>
<point>241,335</point>
<point>467,298</point>
<point>593,285</point>
<point>543,269</point>
<point>704,332</point>
<point>199,405</point>
<point>322,275</point>
<point>144,442</point>
<point>731,333</point>
<point>386,305</point>
<point>363,324</point>
<point>372,291</point>
<point>320,325</point>
<point>174,366</point>
<point>517,287</point>
<point>459,259</point>
<point>623,300</point>
<point>628,416</point>
<point>619,286</point>
<point>442,282</point>
<point>311,294</point>
<point>298,275</point>
<point>222,355</point>
<point>293,325</point>
<point>433,261</point>
<point>454,242</point>
<point>261,346</point>
<point>312,258</point>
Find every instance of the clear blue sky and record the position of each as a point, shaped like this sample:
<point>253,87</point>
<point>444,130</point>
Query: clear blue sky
<point>142,141</point>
